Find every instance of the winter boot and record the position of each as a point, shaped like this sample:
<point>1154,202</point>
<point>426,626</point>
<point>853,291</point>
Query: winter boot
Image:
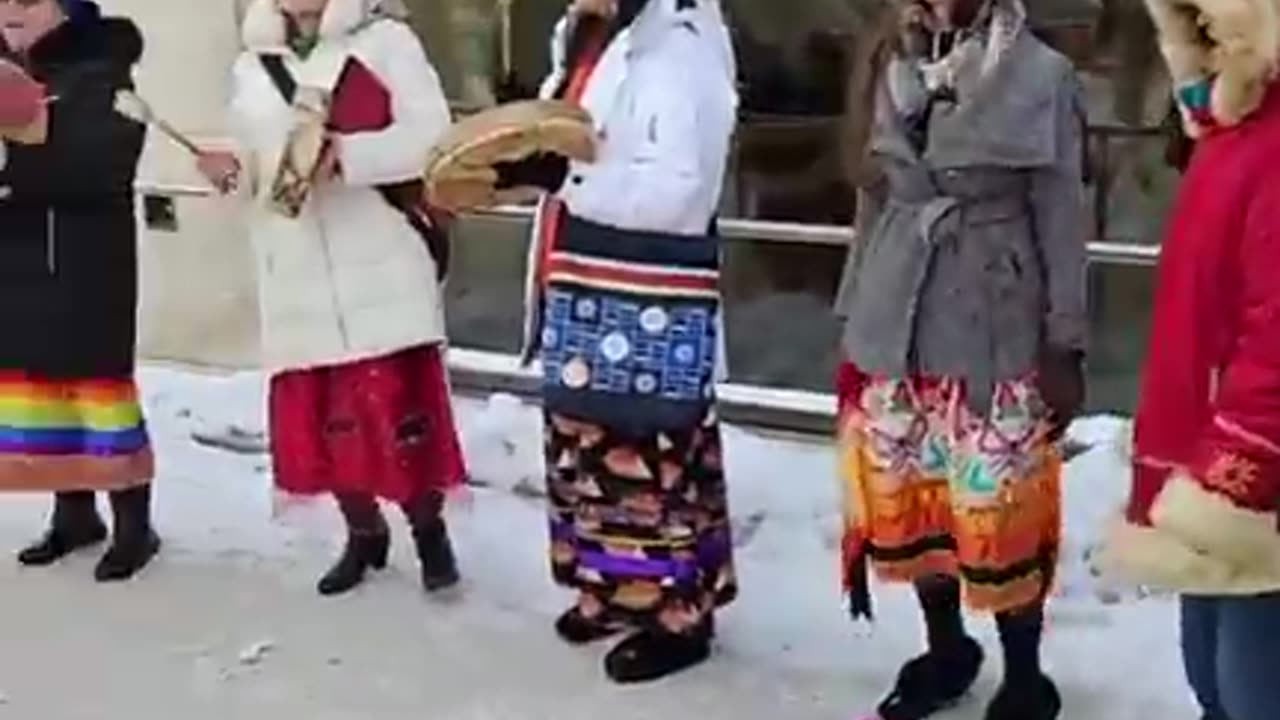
<point>652,655</point>
<point>364,551</point>
<point>75,525</point>
<point>576,629</point>
<point>435,553</point>
<point>1037,699</point>
<point>934,682</point>
<point>134,541</point>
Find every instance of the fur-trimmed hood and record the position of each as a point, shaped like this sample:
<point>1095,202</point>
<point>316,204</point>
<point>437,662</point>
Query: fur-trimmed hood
<point>1235,44</point>
<point>264,26</point>
<point>88,35</point>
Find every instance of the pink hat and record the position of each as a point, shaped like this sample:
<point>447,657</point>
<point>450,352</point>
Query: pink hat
<point>21,97</point>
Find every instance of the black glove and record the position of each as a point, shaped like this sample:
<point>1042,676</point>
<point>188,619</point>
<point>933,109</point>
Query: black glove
<point>541,170</point>
<point>511,89</point>
<point>1062,386</point>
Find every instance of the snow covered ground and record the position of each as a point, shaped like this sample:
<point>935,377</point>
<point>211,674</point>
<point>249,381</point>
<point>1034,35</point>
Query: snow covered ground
<point>226,620</point>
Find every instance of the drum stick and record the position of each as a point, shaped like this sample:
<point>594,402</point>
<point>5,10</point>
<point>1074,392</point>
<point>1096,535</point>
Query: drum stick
<point>131,105</point>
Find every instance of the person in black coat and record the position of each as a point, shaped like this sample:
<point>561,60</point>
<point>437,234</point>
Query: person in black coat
<point>70,419</point>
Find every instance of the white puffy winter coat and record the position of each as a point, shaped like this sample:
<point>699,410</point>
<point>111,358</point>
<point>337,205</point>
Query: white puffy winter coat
<point>664,102</point>
<point>349,279</point>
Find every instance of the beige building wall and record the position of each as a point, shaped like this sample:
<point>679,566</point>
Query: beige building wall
<point>198,287</point>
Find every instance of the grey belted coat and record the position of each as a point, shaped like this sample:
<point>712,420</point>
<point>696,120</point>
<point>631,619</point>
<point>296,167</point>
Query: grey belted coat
<point>969,256</point>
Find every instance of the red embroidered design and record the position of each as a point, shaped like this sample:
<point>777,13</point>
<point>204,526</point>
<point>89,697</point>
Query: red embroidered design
<point>1232,475</point>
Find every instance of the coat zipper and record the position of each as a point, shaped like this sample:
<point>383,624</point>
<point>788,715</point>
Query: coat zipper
<point>51,242</point>
<point>333,278</point>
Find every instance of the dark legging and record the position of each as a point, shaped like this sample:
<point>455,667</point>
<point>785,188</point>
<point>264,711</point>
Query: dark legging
<point>1020,630</point>
<point>131,508</point>
<point>364,517</point>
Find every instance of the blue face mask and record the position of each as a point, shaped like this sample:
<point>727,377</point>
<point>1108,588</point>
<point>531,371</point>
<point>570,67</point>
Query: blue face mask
<point>1197,96</point>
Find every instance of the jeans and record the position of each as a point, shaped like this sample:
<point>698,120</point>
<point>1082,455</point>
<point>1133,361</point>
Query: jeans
<point>1231,650</point>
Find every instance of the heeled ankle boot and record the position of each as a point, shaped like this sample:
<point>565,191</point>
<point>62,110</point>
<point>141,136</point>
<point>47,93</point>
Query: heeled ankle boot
<point>431,538</point>
<point>435,553</point>
<point>364,551</point>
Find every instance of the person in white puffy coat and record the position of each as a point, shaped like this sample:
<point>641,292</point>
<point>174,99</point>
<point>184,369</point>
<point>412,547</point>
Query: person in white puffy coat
<point>352,318</point>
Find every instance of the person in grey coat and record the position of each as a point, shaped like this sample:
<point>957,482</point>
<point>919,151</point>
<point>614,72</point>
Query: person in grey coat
<point>964,309</point>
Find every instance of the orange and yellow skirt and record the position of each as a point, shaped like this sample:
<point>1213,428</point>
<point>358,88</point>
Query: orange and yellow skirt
<point>933,488</point>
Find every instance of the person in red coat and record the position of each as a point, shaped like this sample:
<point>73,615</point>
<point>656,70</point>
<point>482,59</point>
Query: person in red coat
<point>1204,512</point>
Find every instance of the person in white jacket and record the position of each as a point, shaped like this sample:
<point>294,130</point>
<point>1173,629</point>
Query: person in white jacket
<point>353,325</point>
<point>624,313</point>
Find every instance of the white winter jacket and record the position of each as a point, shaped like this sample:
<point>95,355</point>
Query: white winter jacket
<point>348,279</point>
<point>664,102</point>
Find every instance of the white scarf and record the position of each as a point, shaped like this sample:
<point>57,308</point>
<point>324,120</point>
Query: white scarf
<point>914,80</point>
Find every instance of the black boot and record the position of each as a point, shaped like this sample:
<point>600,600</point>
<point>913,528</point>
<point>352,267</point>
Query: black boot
<point>1026,693</point>
<point>933,682</point>
<point>75,525</point>
<point>575,629</point>
<point>363,551</point>
<point>435,552</point>
<point>431,537</point>
<point>1035,699</point>
<point>134,541</point>
<point>652,655</point>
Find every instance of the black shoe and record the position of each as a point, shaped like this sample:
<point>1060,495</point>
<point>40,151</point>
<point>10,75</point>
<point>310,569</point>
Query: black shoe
<point>650,655</point>
<point>1036,699</point>
<point>58,543</point>
<point>575,629</point>
<point>126,557</point>
<point>361,553</point>
<point>75,525</point>
<point>933,682</point>
<point>134,542</point>
<point>435,553</point>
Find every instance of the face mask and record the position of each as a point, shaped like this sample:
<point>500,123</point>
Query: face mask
<point>1197,98</point>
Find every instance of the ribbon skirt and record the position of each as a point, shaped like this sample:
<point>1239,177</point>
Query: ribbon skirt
<point>640,526</point>
<point>932,488</point>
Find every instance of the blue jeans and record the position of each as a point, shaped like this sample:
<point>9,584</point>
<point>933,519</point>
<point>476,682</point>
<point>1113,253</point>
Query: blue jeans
<point>1231,649</point>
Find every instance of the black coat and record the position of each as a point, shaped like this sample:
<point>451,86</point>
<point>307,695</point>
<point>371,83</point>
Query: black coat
<point>68,234</point>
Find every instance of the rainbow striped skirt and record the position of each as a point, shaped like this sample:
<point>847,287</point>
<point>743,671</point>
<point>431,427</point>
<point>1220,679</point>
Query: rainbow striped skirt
<point>71,434</point>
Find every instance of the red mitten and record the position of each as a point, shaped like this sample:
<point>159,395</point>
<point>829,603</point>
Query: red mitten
<point>21,97</point>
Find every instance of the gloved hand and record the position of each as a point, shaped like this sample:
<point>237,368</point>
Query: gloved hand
<point>540,170</point>
<point>21,97</point>
<point>1062,386</point>
<point>510,89</point>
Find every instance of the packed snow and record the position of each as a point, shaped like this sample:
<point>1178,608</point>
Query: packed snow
<point>225,621</point>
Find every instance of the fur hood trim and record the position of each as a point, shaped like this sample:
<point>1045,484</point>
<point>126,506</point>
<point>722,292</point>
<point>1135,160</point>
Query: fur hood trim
<point>1237,42</point>
<point>264,28</point>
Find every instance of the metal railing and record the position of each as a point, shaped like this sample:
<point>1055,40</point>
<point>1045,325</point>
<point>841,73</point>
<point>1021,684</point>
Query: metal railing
<point>746,230</point>
<point>743,230</point>
<point>478,372</point>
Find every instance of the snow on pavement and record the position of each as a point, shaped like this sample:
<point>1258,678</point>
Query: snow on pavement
<point>226,621</point>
